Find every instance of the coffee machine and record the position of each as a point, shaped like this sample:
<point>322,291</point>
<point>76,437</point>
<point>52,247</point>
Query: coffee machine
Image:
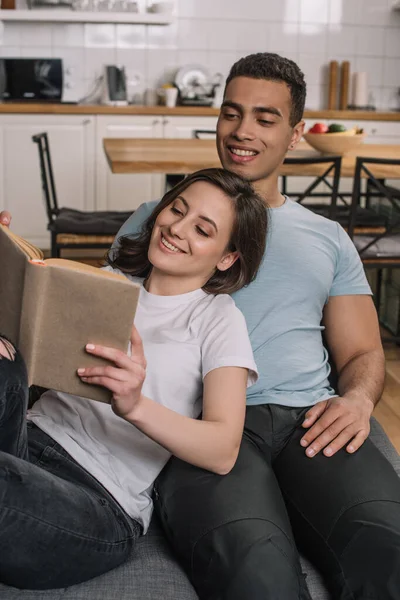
<point>114,91</point>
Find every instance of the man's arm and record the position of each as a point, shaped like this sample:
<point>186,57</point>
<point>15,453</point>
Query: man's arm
<point>353,338</point>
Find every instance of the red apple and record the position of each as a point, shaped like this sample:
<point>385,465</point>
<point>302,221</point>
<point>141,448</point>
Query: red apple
<point>319,128</point>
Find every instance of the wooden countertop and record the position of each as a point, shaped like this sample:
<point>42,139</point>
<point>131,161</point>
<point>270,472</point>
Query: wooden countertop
<point>133,155</point>
<point>184,111</point>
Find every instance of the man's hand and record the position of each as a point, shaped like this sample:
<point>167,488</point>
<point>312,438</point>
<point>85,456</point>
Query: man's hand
<point>5,218</point>
<point>125,379</point>
<point>336,422</point>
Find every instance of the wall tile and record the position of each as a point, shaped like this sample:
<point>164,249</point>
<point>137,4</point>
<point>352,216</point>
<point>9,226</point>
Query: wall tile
<point>36,51</point>
<point>341,41</point>
<point>96,59</point>
<point>316,97</point>
<point>374,12</point>
<point>162,37</point>
<point>221,62</point>
<point>252,37</point>
<point>68,34</point>
<point>391,72</point>
<point>99,35</point>
<point>11,34</point>
<point>223,36</point>
<point>193,34</point>
<point>374,68</point>
<point>313,38</point>
<point>130,36</point>
<point>314,12</point>
<point>370,41</point>
<point>35,34</point>
<point>390,98</point>
<point>392,42</point>
<point>344,12</point>
<point>10,51</point>
<point>283,37</point>
<point>161,66</point>
<point>313,68</point>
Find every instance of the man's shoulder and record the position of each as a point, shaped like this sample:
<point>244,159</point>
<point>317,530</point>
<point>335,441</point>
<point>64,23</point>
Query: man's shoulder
<point>307,214</point>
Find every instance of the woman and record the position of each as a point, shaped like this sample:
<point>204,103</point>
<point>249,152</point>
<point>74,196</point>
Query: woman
<point>75,491</point>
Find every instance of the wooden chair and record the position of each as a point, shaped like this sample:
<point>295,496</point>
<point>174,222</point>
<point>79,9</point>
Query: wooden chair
<point>71,228</point>
<point>379,250</point>
<point>337,207</point>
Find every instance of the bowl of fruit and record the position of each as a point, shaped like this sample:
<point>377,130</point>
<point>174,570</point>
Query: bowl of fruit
<point>334,139</point>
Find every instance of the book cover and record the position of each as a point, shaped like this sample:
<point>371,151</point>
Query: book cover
<point>50,309</point>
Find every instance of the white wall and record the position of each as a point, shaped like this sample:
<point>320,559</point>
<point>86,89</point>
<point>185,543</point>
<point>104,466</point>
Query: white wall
<point>217,32</point>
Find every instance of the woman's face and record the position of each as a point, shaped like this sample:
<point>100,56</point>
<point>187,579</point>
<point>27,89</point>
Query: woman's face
<point>191,235</point>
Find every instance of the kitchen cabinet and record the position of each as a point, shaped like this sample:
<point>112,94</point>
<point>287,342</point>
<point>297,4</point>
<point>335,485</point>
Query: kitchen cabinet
<point>72,144</point>
<point>125,192</point>
<point>184,127</point>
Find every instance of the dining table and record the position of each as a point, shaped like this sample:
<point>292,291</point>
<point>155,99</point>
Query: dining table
<point>183,156</point>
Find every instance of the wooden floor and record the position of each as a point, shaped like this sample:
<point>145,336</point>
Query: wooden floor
<point>388,410</point>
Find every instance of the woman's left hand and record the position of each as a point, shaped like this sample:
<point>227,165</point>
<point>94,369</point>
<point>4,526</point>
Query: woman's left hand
<point>125,379</point>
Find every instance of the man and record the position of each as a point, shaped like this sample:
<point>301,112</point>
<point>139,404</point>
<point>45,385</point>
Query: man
<point>306,471</point>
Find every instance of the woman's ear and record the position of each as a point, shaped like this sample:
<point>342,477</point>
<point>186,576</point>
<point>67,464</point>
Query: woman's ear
<point>227,261</point>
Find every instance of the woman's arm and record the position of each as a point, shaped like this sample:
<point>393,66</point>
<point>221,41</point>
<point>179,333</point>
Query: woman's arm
<point>212,443</point>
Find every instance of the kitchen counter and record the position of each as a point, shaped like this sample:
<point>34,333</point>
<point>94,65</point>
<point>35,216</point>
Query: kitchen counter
<point>183,111</point>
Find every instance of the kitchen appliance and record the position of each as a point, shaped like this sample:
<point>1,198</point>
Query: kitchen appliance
<point>114,86</point>
<point>31,79</point>
<point>196,86</point>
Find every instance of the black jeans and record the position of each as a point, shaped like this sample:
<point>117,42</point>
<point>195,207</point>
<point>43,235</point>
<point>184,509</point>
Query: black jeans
<point>58,525</point>
<point>236,534</point>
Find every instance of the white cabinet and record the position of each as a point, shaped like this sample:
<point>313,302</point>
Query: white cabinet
<point>185,127</point>
<point>71,140</point>
<point>120,191</point>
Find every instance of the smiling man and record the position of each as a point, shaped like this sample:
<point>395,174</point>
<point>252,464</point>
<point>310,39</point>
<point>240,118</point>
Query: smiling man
<point>307,475</point>
<point>306,472</point>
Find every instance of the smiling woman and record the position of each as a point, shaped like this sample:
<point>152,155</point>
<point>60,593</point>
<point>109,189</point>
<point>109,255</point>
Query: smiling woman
<point>190,353</point>
<point>209,232</point>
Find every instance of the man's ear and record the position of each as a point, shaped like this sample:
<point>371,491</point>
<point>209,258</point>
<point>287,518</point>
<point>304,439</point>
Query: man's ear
<point>297,133</point>
<point>227,261</point>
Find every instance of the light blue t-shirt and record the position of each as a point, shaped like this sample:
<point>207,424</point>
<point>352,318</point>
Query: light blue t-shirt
<point>308,259</point>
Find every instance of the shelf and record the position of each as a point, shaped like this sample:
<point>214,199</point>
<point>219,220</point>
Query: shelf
<point>75,16</point>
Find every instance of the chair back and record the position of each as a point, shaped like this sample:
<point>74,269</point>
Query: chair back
<point>334,164</point>
<point>364,166</point>
<point>46,175</point>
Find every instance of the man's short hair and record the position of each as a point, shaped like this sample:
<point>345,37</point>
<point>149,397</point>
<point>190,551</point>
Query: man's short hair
<point>272,67</point>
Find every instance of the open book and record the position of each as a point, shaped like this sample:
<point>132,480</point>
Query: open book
<point>50,309</point>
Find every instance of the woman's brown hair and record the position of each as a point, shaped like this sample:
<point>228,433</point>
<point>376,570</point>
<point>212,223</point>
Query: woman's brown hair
<point>248,235</point>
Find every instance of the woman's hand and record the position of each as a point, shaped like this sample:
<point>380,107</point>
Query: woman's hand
<point>124,380</point>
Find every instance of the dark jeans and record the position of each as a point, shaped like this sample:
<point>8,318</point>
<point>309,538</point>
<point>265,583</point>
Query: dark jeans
<point>58,525</point>
<point>235,534</point>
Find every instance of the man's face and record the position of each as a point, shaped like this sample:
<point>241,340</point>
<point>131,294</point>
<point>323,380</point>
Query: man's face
<point>253,130</point>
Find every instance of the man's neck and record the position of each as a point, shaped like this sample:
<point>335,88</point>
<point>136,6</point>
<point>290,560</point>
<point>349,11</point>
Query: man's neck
<point>269,192</point>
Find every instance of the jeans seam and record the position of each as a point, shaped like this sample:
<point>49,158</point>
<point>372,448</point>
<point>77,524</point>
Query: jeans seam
<point>327,545</point>
<point>349,507</point>
<point>230,522</point>
<point>353,506</point>
<point>64,530</point>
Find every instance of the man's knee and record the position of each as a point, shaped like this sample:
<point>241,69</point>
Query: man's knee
<point>367,542</point>
<point>248,558</point>
<point>7,350</point>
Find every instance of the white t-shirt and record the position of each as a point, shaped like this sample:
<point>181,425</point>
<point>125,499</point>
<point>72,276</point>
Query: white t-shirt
<point>184,338</point>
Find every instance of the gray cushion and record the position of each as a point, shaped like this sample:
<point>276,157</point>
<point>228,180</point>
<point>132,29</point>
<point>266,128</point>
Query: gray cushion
<point>153,573</point>
<point>387,247</point>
